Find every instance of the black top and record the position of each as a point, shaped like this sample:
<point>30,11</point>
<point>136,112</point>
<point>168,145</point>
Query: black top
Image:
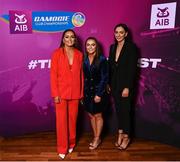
<point>122,72</point>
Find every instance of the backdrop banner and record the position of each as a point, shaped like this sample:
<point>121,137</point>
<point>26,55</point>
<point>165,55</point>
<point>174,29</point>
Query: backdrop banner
<point>31,30</point>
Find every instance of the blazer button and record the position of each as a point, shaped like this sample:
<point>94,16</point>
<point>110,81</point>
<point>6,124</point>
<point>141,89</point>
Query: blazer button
<point>92,88</point>
<point>92,79</point>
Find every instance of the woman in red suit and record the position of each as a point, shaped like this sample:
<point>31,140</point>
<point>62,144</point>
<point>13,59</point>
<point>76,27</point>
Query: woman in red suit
<point>66,77</point>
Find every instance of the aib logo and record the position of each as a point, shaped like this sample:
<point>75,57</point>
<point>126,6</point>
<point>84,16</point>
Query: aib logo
<point>20,19</point>
<point>163,12</point>
<point>163,16</point>
<point>20,22</point>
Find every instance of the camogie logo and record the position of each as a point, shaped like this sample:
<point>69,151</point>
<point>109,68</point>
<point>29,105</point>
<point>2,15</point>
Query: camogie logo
<point>22,22</point>
<point>78,19</point>
<point>163,16</point>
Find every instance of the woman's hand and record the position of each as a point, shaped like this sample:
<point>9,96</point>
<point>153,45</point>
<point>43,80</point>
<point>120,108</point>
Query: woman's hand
<point>57,100</point>
<point>81,101</point>
<point>108,89</point>
<point>125,92</point>
<point>97,99</point>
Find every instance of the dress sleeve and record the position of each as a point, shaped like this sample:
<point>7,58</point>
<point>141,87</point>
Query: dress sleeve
<point>54,74</point>
<point>82,77</point>
<point>132,66</point>
<point>104,77</point>
<point>110,63</point>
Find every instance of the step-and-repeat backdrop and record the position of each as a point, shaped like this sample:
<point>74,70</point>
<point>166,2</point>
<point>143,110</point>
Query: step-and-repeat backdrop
<point>31,30</point>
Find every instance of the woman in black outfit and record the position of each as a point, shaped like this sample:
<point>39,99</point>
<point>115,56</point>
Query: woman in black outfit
<point>95,82</point>
<point>122,67</point>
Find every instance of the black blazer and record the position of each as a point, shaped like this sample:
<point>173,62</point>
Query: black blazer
<point>122,72</point>
<point>95,78</point>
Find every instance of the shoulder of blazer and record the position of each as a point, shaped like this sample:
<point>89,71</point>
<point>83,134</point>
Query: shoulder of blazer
<point>132,50</point>
<point>102,58</point>
<point>112,47</point>
<point>57,52</point>
<point>111,50</point>
<point>130,45</point>
<point>78,53</point>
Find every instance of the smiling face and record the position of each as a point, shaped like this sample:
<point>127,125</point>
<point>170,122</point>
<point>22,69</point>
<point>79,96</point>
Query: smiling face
<point>69,39</point>
<point>120,34</point>
<point>91,47</point>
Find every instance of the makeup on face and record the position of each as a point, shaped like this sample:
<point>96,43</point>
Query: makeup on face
<point>69,39</point>
<point>120,34</point>
<point>91,46</point>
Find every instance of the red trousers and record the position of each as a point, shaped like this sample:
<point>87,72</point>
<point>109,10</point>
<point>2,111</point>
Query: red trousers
<point>66,117</point>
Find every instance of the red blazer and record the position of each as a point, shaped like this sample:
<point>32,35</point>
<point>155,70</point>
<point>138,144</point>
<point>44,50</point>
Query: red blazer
<point>66,82</point>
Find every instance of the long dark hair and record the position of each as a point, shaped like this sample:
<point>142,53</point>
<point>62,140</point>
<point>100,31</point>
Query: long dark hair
<point>76,42</point>
<point>98,51</point>
<point>125,27</point>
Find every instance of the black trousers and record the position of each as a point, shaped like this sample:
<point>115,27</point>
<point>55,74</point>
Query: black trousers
<point>123,111</point>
